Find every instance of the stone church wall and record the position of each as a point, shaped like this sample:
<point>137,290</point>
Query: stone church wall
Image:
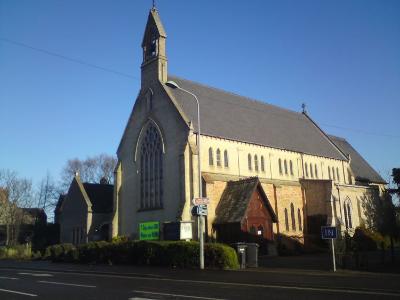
<point>174,132</point>
<point>355,196</point>
<point>74,215</point>
<point>238,162</point>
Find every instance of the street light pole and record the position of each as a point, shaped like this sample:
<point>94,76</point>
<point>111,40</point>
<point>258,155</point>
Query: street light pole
<point>174,85</point>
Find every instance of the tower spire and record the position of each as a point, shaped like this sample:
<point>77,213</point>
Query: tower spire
<point>154,65</point>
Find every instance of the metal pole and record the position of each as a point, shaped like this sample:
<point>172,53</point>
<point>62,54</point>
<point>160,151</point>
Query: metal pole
<point>333,256</point>
<point>201,218</point>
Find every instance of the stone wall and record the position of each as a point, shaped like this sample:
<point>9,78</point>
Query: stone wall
<point>75,214</point>
<point>174,134</point>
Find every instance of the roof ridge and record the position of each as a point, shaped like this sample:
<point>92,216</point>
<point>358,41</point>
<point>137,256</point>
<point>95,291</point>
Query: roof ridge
<point>247,179</point>
<point>237,95</point>
<point>336,137</point>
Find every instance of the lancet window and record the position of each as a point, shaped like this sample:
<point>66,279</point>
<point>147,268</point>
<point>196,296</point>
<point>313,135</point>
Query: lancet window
<point>151,169</point>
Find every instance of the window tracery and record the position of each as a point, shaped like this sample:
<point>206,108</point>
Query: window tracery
<point>151,169</point>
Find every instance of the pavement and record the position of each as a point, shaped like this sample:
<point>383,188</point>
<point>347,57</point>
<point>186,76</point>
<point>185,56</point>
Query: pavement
<point>46,280</point>
<point>372,261</point>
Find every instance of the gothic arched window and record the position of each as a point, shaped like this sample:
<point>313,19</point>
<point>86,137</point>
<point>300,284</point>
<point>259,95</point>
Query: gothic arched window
<point>218,157</point>
<point>280,166</point>
<point>210,156</point>
<point>226,159</point>
<point>256,163</point>
<point>347,214</point>
<point>262,164</point>
<point>293,217</point>
<point>249,161</point>
<point>329,172</point>
<point>151,169</point>
<point>286,220</point>
<point>333,174</point>
<point>299,217</point>
<point>291,167</point>
<point>337,174</point>
<point>306,168</point>
<point>285,165</point>
<point>316,171</point>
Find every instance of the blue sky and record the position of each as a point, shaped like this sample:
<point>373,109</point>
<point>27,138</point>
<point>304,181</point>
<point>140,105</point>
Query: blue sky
<point>342,58</point>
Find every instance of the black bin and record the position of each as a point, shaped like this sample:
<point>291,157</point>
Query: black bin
<point>241,253</point>
<point>252,255</point>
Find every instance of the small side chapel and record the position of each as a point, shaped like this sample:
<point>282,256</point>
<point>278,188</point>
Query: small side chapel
<point>267,171</point>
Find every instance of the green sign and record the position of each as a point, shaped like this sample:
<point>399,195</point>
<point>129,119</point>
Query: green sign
<point>149,231</point>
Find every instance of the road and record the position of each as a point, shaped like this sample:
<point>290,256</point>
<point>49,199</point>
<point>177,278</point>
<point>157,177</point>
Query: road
<point>42,280</point>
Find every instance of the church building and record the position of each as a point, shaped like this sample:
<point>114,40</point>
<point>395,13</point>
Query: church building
<point>267,171</point>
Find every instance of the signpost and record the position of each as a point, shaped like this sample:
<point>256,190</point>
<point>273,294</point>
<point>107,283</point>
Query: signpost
<point>199,210</point>
<point>200,201</point>
<point>330,233</point>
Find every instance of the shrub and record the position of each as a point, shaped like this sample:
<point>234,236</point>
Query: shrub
<point>15,252</point>
<point>158,253</point>
<point>95,252</point>
<point>220,256</point>
<point>180,254</point>
<point>61,253</point>
<point>365,240</point>
<point>120,239</point>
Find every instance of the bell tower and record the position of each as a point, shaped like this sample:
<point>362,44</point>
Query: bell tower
<point>154,65</point>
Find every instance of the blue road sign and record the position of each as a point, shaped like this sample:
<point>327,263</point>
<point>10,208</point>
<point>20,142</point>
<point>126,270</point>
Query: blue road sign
<point>199,210</point>
<point>328,232</point>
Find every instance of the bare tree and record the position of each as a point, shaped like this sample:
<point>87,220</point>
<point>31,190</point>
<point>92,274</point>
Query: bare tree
<point>92,169</point>
<point>106,166</point>
<point>16,193</point>
<point>47,194</point>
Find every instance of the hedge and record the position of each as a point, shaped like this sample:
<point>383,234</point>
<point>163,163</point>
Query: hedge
<point>156,253</point>
<point>15,252</point>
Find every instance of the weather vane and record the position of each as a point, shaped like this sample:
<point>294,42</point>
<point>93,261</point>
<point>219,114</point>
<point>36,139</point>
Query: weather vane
<point>154,3</point>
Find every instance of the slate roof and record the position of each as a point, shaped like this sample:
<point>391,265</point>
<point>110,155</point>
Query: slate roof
<point>360,167</point>
<point>238,118</point>
<point>60,201</point>
<point>235,199</point>
<point>101,196</point>
<point>37,214</point>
